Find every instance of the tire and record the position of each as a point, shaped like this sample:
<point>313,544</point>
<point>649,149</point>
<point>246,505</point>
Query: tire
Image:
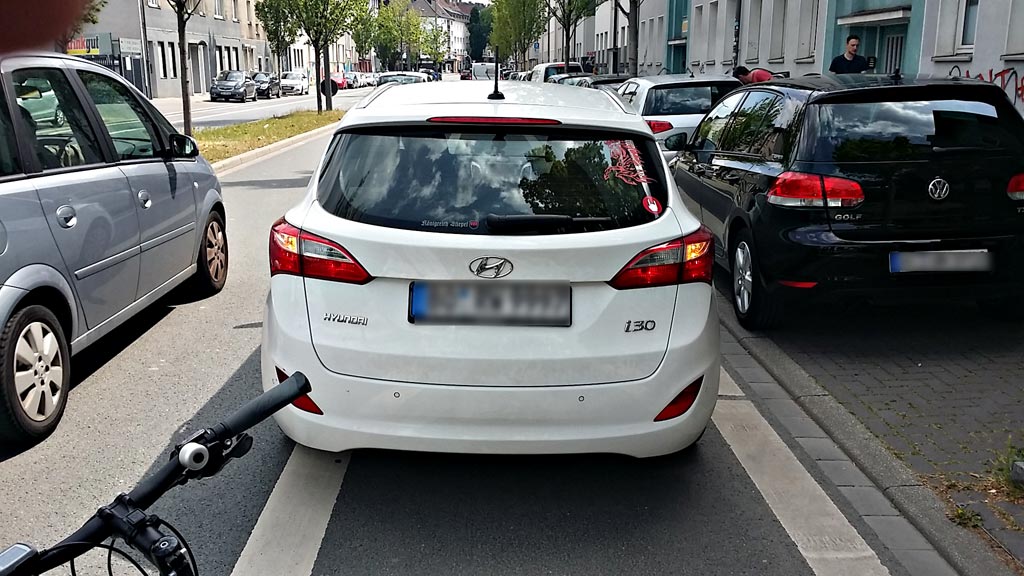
<point>1005,308</point>
<point>210,278</point>
<point>756,308</point>
<point>39,333</point>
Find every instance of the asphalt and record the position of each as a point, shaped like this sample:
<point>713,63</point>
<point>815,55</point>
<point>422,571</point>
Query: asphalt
<point>185,364</point>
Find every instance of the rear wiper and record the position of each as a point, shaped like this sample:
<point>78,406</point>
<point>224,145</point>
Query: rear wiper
<point>523,223</point>
<point>954,149</point>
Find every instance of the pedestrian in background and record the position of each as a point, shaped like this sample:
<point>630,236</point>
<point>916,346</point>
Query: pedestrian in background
<point>36,24</point>
<point>849,62</point>
<point>747,76</point>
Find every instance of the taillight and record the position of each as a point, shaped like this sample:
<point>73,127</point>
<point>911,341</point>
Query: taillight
<point>659,126</point>
<point>681,403</point>
<point>682,261</point>
<point>1015,188</point>
<point>796,189</point>
<point>300,253</point>
<point>304,402</point>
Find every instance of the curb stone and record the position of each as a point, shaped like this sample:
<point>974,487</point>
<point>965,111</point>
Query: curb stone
<point>963,549</point>
<point>269,149</point>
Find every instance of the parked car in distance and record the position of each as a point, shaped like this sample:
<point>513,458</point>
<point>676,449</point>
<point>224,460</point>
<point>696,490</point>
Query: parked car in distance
<point>435,236</point>
<point>267,85</point>
<point>840,184</point>
<point>353,80</point>
<point>612,81</point>
<point>675,104</point>
<point>483,71</point>
<point>466,74</point>
<point>99,218</point>
<point>233,85</point>
<point>340,80</point>
<point>402,78</point>
<point>565,78</point>
<point>367,79</point>
<point>294,83</point>
<point>36,96</point>
<point>541,72</point>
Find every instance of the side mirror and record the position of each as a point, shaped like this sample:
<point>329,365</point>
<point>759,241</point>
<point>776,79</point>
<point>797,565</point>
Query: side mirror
<point>678,143</point>
<point>26,92</point>
<point>183,147</point>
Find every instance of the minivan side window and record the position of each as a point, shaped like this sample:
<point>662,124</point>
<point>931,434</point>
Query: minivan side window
<point>54,120</point>
<point>9,163</point>
<point>753,124</point>
<point>129,126</point>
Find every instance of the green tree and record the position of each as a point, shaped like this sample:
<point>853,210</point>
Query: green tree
<point>364,25</point>
<point>183,11</point>
<point>90,15</point>
<point>435,44</point>
<point>410,28</point>
<point>517,24</point>
<point>568,14</point>
<point>324,21</point>
<point>278,18</point>
<point>479,32</point>
<point>386,35</point>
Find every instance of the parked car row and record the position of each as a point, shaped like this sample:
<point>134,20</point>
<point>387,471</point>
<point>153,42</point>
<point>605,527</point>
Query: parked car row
<point>245,86</point>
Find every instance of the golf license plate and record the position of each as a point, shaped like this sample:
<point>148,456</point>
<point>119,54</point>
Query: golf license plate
<point>941,261</point>
<point>497,304</point>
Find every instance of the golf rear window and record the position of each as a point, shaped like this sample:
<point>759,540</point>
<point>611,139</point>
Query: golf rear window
<point>912,130</point>
<point>475,181</point>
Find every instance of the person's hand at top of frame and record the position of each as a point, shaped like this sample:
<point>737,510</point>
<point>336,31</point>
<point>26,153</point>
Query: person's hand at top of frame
<point>35,24</point>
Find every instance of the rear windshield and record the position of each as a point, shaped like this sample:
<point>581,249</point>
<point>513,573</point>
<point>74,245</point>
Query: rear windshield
<point>483,182</point>
<point>914,130</point>
<point>292,76</point>
<point>685,99</point>
<point>560,69</point>
<point>400,79</point>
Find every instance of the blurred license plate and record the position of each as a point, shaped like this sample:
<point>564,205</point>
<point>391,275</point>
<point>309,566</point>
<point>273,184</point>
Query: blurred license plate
<point>948,261</point>
<point>491,304</point>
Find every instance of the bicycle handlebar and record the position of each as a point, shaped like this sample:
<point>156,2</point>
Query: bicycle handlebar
<point>150,489</point>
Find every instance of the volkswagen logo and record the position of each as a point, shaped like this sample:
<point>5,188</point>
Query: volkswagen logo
<point>938,189</point>
<point>490,267</point>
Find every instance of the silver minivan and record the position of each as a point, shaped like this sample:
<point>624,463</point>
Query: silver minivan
<point>101,213</point>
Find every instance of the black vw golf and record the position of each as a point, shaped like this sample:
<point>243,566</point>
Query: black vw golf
<point>861,183</point>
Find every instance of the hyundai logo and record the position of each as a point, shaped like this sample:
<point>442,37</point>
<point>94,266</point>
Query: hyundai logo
<point>490,267</point>
<point>938,189</point>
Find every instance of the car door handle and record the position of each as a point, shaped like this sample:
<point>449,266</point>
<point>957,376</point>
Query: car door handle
<point>145,200</point>
<point>67,217</point>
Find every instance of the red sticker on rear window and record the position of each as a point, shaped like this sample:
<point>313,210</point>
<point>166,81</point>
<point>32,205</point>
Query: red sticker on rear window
<point>627,164</point>
<point>652,205</point>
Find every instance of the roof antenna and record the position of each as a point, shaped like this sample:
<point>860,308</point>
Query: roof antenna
<point>496,95</point>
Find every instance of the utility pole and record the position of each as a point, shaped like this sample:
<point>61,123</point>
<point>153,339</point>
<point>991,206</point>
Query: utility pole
<point>145,50</point>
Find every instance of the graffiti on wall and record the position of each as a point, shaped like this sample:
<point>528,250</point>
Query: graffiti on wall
<point>1008,79</point>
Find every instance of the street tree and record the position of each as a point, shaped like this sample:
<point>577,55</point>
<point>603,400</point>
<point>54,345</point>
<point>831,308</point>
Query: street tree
<point>183,11</point>
<point>364,25</point>
<point>568,14</point>
<point>386,36</point>
<point>435,44</point>
<point>479,32</point>
<point>517,24</point>
<point>278,18</point>
<point>633,41</point>
<point>410,28</point>
<point>323,21</point>
<point>90,15</point>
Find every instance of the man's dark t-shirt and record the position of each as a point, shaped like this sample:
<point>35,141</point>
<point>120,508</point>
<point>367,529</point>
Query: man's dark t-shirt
<point>840,65</point>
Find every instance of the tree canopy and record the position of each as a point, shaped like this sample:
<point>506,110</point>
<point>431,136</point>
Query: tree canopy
<point>278,18</point>
<point>479,31</point>
<point>517,24</point>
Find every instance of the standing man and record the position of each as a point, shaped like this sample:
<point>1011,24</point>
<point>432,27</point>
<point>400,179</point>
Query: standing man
<point>849,62</point>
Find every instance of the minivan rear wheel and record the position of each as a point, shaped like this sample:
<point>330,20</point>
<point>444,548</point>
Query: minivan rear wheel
<point>756,309</point>
<point>34,375</point>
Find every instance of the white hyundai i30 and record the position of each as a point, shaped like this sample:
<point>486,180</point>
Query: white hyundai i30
<point>485,274</point>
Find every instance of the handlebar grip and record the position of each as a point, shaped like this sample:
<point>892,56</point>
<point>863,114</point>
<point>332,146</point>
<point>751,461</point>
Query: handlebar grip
<point>263,406</point>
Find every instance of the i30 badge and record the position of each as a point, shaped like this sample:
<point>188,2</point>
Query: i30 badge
<point>490,267</point>
<point>938,189</point>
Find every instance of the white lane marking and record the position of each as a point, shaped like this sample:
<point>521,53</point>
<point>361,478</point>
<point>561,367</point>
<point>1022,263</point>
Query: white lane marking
<point>287,537</point>
<point>827,541</point>
<point>727,386</point>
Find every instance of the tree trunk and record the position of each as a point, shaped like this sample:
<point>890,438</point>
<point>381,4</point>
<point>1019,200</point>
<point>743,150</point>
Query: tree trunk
<point>327,74</point>
<point>633,42</point>
<point>186,98</point>
<point>316,79</point>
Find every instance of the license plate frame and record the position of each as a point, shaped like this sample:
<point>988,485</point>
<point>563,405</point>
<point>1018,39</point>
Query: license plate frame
<point>420,290</point>
<point>940,261</point>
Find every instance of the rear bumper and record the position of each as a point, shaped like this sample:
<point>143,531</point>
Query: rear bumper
<point>815,254</point>
<point>604,418</point>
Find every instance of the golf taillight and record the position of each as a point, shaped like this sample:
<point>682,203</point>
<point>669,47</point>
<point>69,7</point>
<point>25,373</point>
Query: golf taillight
<point>681,403</point>
<point>659,126</point>
<point>1015,189</point>
<point>304,402</point>
<point>681,261</point>
<point>296,252</point>
<point>800,190</point>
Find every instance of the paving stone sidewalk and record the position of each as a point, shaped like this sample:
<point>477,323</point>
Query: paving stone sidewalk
<point>941,384</point>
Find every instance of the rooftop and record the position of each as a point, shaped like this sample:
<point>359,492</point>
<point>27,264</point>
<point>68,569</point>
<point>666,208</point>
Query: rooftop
<point>516,93</point>
<point>663,79</point>
<point>840,82</point>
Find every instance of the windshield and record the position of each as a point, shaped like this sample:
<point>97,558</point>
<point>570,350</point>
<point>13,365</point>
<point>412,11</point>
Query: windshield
<point>227,76</point>
<point>261,78</point>
<point>400,79</point>
<point>453,181</point>
<point>292,76</point>
<point>685,99</point>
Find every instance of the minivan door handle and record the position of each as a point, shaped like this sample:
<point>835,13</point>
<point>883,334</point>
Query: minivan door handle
<point>66,216</point>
